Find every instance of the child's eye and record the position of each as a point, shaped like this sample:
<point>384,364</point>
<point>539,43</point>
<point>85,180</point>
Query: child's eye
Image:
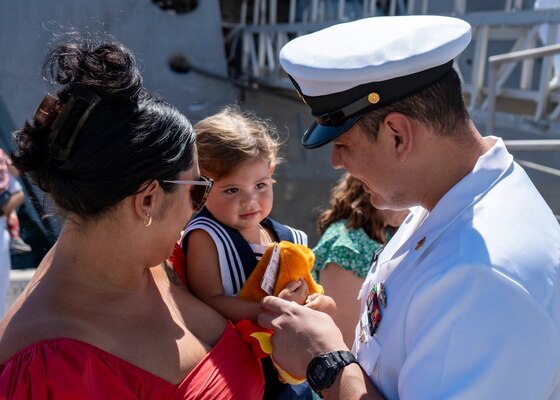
<point>231,190</point>
<point>261,186</point>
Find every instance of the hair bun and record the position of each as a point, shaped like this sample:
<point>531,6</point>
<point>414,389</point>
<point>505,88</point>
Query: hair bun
<point>107,67</point>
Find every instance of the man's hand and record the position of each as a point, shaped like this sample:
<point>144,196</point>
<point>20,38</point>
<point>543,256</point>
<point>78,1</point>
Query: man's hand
<point>300,333</point>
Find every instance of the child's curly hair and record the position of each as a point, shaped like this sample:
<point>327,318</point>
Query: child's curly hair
<point>230,137</point>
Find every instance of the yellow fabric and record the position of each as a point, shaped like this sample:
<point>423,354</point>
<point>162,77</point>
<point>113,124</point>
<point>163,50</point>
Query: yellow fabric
<point>266,346</point>
<point>296,262</point>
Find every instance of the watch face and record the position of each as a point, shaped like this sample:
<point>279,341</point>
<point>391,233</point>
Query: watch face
<point>322,370</point>
<point>320,374</point>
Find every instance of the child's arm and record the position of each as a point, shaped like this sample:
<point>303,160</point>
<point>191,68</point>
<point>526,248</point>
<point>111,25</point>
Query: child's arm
<point>297,291</point>
<point>321,302</point>
<point>205,280</point>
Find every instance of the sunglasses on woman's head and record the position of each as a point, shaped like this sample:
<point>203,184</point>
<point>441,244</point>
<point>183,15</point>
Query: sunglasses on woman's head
<point>199,191</point>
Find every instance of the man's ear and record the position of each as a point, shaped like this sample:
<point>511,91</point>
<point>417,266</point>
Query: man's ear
<point>400,127</point>
<point>145,200</point>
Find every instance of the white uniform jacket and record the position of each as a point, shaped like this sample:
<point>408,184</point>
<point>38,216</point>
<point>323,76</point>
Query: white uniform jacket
<point>472,293</point>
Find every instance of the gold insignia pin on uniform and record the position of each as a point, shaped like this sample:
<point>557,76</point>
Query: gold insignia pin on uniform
<point>420,243</point>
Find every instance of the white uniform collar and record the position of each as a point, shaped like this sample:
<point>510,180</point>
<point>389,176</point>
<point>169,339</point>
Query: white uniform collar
<point>486,172</point>
<point>421,228</point>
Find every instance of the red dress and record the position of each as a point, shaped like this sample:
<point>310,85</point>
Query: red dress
<point>71,369</point>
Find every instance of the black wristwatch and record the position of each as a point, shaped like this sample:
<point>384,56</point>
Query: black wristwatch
<point>322,370</point>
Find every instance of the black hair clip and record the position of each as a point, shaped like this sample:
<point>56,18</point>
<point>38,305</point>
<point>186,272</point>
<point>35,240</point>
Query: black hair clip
<point>70,121</point>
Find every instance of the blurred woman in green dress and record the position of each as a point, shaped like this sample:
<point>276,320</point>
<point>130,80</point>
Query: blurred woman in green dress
<point>351,230</point>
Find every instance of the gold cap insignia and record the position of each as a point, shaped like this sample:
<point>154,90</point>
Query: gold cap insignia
<point>373,98</point>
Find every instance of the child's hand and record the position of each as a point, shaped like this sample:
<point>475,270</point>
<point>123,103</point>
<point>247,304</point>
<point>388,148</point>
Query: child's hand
<point>320,302</point>
<point>295,291</point>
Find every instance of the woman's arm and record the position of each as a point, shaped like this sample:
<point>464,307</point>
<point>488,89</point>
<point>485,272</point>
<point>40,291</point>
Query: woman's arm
<point>343,286</point>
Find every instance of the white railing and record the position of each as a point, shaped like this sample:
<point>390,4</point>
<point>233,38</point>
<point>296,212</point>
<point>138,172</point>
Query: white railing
<point>539,96</point>
<point>535,145</point>
<point>522,28</point>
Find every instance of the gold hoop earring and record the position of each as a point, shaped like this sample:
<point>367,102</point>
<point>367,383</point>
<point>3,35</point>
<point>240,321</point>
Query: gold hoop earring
<point>149,221</point>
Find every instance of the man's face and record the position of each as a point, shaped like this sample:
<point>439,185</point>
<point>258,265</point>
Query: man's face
<point>374,163</point>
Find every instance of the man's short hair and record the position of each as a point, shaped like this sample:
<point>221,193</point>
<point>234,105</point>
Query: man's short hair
<point>440,106</point>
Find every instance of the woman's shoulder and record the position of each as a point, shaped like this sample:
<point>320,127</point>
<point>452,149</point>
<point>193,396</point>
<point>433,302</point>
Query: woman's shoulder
<point>47,350</point>
<point>338,232</point>
<point>334,232</point>
<point>348,247</point>
<point>70,368</point>
<point>37,367</point>
<point>24,328</point>
<point>33,360</point>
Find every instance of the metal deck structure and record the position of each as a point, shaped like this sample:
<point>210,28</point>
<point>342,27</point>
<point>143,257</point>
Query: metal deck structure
<point>505,70</point>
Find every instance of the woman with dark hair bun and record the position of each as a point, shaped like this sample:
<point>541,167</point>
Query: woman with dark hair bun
<point>102,317</point>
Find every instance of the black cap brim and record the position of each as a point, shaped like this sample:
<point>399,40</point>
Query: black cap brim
<point>319,135</point>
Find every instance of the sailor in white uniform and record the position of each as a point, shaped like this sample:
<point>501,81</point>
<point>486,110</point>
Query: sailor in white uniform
<point>464,301</point>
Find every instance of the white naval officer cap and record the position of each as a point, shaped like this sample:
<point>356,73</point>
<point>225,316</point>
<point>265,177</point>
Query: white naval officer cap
<point>347,69</point>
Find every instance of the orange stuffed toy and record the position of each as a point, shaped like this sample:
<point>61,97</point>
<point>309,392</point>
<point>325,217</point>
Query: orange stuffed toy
<point>294,262</point>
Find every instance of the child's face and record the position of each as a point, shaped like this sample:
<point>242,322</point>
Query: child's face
<point>243,198</point>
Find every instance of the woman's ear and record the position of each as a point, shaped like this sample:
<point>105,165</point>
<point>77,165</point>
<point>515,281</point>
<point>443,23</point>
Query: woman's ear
<point>145,201</point>
<point>400,127</point>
